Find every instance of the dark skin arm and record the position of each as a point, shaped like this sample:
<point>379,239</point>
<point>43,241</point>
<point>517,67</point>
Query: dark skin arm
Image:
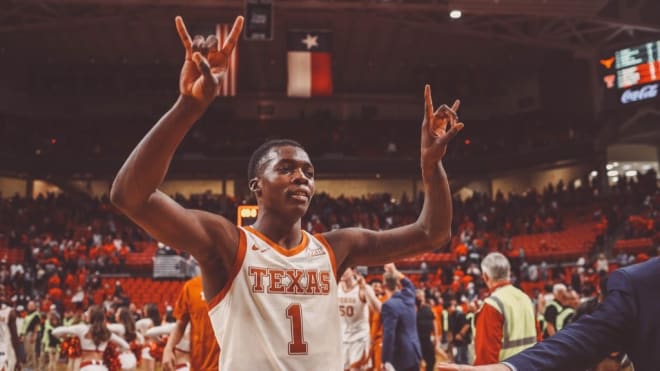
<point>353,246</point>
<point>210,238</point>
<point>13,332</point>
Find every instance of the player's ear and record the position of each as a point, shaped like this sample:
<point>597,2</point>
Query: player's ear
<point>254,186</point>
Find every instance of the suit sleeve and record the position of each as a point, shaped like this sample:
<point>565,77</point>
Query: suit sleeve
<point>389,318</point>
<point>408,288</point>
<point>589,339</point>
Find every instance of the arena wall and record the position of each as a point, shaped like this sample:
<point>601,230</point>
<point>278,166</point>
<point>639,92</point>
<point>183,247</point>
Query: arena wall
<point>525,180</point>
<point>11,186</point>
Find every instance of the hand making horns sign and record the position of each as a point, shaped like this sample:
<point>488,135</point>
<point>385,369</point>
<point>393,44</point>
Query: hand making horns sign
<point>438,128</point>
<point>206,61</point>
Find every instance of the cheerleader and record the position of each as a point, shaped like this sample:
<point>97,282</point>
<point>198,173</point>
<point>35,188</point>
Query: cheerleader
<point>150,350</point>
<point>125,327</point>
<point>96,341</point>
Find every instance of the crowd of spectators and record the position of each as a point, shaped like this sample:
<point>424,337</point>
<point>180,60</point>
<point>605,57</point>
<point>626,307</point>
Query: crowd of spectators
<point>67,241</point>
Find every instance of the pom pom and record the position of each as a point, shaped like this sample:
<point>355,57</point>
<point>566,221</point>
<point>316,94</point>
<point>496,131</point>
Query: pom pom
<point>157,347</point>
<point>75,350</point>
<point>136,349</point>
<point>111,357</point>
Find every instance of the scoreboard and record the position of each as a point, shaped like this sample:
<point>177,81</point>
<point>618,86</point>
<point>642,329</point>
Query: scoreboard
<point>633,74</point>
<point>246,214</point>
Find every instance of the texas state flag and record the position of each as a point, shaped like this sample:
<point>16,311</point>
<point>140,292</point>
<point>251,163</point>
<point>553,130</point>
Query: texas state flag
<point>310,63</point>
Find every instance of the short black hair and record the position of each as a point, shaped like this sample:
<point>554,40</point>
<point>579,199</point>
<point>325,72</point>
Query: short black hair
<point>260,153</point>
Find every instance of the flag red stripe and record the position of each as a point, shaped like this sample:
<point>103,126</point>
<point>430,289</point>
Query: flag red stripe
<point>321,74</point>
<point>228,87</point>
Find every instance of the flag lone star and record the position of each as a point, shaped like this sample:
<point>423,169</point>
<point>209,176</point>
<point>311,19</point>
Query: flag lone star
<point>310,41</point>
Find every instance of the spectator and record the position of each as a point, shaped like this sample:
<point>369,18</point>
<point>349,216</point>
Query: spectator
<point>506,323</point>
<point>401,348</point>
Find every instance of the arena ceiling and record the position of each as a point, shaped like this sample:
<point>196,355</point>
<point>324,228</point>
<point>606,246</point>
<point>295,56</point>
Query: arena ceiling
<point>380,45</point>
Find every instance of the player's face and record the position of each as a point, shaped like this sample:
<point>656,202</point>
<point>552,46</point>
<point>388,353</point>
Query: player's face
<point>287,181</point>
<point>348,275</point>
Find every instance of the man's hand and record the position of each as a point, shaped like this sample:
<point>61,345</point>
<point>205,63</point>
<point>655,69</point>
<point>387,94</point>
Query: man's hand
<point>361,281</point>
<point>438,128</point>
<point>206,62</point>
<point>169,359</point>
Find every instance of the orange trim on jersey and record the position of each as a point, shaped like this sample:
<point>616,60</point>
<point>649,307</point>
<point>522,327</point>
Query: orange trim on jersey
<point>238,263</point>
<point>331,253</point>
<point>282,250</point>
<point>362,361</point>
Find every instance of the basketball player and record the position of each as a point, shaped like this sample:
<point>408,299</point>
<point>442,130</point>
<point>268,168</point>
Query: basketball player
<point>354,314</point>
<point>191,313</point>
<point>8,335</point>
<point>272,287</point>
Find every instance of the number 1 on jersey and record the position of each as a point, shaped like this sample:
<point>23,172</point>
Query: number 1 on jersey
<point>298,346</point>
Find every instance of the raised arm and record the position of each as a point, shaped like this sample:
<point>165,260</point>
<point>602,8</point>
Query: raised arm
<point>367,292</point>
<point>117,328</point>
<point>119,341</point>
<point>135,189</point>
<point>160,330</point>
<point>75,330</point>
<point>432,229</point>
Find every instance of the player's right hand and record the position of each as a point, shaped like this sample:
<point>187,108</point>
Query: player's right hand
<point>206,62</point>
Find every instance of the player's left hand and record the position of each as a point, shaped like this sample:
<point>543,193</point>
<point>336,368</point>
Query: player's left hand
<point>438,128</point>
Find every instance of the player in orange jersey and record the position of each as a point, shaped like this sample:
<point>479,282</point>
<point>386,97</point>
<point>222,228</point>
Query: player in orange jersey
<point>191,308</point>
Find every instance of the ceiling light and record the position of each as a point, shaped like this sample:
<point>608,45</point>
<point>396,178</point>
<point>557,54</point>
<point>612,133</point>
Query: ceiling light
<point>455,14</point>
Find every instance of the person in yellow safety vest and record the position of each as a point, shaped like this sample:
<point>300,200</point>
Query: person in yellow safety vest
<point>506,323</point>
<point>553,308</point>
<point>29,330</point>
<point>566,315</point>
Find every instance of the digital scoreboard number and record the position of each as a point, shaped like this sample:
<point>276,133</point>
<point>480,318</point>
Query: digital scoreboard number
<point>246,214</point>
<point>633,74</point>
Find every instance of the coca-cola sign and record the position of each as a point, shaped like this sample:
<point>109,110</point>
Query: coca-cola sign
<point>643,93</point>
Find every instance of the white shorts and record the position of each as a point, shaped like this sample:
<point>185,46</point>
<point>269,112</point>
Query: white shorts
<point>92,366</point>
<point>356,354</point>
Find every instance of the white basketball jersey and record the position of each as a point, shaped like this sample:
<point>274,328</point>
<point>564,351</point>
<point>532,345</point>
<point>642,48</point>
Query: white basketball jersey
<point>354,314</point>
<point>279,309</point>
<point>7,356</point>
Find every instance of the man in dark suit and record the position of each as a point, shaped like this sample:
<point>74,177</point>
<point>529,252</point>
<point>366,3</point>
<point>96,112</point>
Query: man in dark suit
<point>401,348</point>
<point>626,321</point>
